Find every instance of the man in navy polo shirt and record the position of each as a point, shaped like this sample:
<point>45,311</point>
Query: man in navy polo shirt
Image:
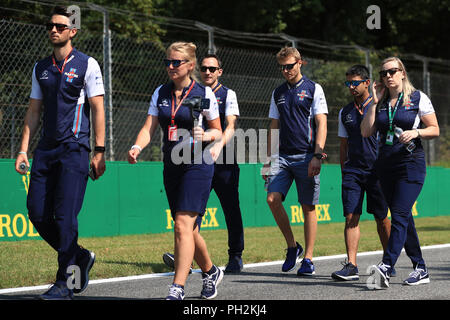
<point>66,86</point>
<point>357,157</point>
<point>299,110</point>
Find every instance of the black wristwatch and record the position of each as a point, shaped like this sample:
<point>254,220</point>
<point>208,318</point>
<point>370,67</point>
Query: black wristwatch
<point>99,149</point>
<point>320,156</point>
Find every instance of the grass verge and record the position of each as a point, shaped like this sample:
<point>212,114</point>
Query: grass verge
<point>33,262</point>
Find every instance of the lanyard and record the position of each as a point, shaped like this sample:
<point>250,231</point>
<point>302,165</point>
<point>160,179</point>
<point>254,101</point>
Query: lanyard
<point>363,105</point>
<point>174,112</point>
<point>65,61</point>
<point>217,88</point>
<point>391,113</point>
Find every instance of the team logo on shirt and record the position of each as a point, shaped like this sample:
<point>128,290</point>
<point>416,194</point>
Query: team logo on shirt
<point>302,95</point>
<point>44,75</point>
<point>164,103</point>
<point>71,74</point>
<point>348,118</point>
<point>409,105</point>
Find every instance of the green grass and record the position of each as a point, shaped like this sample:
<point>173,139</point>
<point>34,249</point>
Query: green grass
<point>33,262</point>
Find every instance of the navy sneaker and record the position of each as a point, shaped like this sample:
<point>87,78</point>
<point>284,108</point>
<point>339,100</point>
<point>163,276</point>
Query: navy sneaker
<point>210,283</point>
<point>306,268</point>
<point>234,265</point>
<point>85,260</point>
<point>348,273</point>
<point>393,272</point>
<point>292,255</point>
<point>57,292</point>
<point>176,292</point>
<point>418,276</point>
<point>381,272</point>
<point>169,260</point>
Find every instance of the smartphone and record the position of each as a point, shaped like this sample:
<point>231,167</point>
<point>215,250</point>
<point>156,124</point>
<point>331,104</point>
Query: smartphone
<point>92,174</point>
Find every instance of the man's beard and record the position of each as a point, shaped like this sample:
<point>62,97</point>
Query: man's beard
<point>60,44</point>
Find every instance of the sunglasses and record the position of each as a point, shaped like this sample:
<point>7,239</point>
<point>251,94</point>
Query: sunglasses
<point>288,66</point>
<point>353,83</point>
<point>60,27</point>
<point>211,69</point>
<point>174,63</point>
<point>383,73</point>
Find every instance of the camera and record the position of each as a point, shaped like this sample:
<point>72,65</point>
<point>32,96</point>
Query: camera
<point>196,104</point>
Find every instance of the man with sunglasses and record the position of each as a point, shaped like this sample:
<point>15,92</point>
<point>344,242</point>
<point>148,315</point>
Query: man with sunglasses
<point>226,171</point>
<point>298,109</point>
<point>357,157</point>
<point>66,86</point>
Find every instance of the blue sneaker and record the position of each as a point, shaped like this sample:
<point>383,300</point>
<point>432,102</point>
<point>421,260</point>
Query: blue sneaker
<point>393,272</point>
<point>176,292</point>
<point>169,260</point>
<point>306,268</point>
<point>85,260</point>
<point>348,273</point>
<point>292,255</point>
<point>380,274</point>
<point>418,276</point>
<point>234,265</point>
<point>210,283</point>
<point>57,292</point>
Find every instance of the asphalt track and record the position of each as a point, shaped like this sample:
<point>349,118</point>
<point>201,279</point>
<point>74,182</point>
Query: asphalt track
<point>265,282</point>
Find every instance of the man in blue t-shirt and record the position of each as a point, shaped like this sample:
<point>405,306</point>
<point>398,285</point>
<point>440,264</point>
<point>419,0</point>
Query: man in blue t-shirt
<point>357,157</point>
<point>298,109</point>
<point>66,87</point>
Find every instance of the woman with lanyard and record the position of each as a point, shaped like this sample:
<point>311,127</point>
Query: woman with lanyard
<point>403,116</point>
<point>187,185</point>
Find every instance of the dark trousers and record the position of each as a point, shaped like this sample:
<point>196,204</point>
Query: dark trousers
<point>400,195</point>
<point>57,187</point>
<point>226,185</point>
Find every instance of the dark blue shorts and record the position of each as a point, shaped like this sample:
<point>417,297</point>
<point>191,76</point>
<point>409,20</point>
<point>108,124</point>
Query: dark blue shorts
<point>354,185</point>
<point>188,186</point>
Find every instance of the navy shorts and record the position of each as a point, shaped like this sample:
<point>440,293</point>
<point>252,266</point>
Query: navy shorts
<point>188,186</point>
<point>295,167</point>
<point>354,185</point>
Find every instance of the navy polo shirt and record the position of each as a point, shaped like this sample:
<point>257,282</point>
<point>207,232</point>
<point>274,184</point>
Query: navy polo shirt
<point>362,152</point>
<point>65,96</point>
<point>161,107</point>
<point>228,105</point>
<point>406,117</point>
<point>295,107</point>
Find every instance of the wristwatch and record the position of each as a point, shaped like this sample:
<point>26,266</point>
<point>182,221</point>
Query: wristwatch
<point>99,149</point>
<point>320,156</point>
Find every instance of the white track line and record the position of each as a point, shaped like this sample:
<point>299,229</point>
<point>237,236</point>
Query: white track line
<point>246,266</point>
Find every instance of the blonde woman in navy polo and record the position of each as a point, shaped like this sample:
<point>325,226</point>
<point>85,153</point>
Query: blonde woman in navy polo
<point>187,185</point>
<point>403,116</point>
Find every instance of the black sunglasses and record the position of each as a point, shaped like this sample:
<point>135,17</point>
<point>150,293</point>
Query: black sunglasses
<point>211,69</point>
<point>174,63</point>
<point>288,66</point>
<point>353,83</point>
<point>383,73</point>
<point>60,27</point>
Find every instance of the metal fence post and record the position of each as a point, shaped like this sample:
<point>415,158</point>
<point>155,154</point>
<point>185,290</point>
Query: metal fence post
<point>108,79</point>
<point>210,30</point>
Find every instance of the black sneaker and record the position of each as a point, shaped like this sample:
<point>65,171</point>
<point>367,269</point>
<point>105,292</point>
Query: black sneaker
<point>85,261</point>
<point>348,273</point>
<point>169,260</point>
<point>57,292</point>
<point>234,265</point>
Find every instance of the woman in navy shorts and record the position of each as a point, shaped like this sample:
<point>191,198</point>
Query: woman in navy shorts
<point>403,116</point>
<point>188,170</point>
